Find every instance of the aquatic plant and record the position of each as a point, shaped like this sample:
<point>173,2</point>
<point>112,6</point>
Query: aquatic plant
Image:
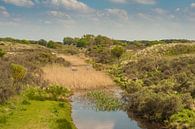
<point>104,101</point>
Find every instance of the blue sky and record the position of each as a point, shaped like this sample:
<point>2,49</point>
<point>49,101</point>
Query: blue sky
<point>119,19</point>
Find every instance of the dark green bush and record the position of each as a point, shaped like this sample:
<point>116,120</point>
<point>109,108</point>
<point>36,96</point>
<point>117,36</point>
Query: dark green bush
<point>154,106</point>
<point>51,44</point>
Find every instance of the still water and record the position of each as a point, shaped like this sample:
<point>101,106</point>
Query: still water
<point>86,117</point>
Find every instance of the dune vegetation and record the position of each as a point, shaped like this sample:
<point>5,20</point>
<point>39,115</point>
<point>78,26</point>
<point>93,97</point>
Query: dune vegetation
<point>157,78</point>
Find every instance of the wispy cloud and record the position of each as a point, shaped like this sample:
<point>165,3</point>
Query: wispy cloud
<point>70,4</point>
<point>119,1</point>
<point>147,2</point>
<point>150,2</point>
<point>24,3</point>
<point>58,14</point>
<point>193,5</point>
<point>4,12</point>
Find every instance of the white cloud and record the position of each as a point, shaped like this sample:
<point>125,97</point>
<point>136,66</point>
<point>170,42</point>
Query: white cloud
<point>114,13</point>
<point>118,13</point>
<point>160,11</point>
<point>25,3</point>
<point>71,4</point>
<point>177,9</point>
<point>149,2</point>
<point>59,14</point>
<point>119,1</point>
<point>193,5</point>
<point>145,1</point>
<point>4,12</point>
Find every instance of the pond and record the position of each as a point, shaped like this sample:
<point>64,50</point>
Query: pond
<point>87,117</point>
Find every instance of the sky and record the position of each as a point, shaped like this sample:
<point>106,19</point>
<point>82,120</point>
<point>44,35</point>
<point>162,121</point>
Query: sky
<point>118,19</point>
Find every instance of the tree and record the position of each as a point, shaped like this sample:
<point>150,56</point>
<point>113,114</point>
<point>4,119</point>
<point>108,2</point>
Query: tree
<point>82,42</point>
<point>51,44</point>
<point>117,51</point>
<point>42,42</point>
<point>68,41</point>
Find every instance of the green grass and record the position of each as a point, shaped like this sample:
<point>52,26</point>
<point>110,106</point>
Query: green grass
<point>22,113</point>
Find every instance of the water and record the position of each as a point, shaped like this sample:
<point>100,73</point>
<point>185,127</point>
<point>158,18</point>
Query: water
<point>86,117</point>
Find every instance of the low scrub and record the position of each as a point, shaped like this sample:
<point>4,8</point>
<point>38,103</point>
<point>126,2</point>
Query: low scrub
<point>53,92</point>
<point>183,119</point>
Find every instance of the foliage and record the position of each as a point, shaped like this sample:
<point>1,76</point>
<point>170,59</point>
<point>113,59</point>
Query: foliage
<point>159,81</point>
<point>104,101</point>
<point>2,53</point>
<point>18,72</point>
<point>51,44</point>
<point>69,41</point>
<point>32,60</point>
<point>117,51</point>
<point>42,42</point>
<point>82,43</point>
<point>183,119</point>
<point>53,92</point>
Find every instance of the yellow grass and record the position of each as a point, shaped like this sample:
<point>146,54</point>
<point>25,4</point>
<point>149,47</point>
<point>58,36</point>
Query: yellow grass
<point>78,77</point>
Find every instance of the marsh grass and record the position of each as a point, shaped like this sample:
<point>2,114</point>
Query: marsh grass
<point>79,76</point>
<point>104,101</point>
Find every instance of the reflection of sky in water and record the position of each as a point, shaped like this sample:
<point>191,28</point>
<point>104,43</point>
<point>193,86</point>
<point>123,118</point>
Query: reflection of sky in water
<point>87,118</point>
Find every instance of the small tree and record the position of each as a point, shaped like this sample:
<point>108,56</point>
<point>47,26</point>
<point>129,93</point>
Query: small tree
<point>42,42</point>
<point>117,51</point>
<point>18,72</point>
<point>82,43</point>
<point>51,44</point>
<point>68,41</point>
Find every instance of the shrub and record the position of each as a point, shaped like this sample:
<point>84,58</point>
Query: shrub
<point>154,106</point>
<point>69,41</point>
<point>82,43</point>
<point>2,53</point>
<point>18,72</point>
<point>42,42</point>
<point>51,44</point>
<point>117,51</point>
<point>184,118</point>
<point>53,92</point>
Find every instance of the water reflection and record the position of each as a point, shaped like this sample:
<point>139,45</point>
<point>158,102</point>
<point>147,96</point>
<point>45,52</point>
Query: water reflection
<point>86,117</point>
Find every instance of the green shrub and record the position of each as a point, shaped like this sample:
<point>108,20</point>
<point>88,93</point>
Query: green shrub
<point>53,92</point>
<point>82,43</point>
<point>2,53</point>
<point>184,118</point>
<point>51,44</point>
<point>117,51</point>
<point>69,41</point>
<point>42,42</point>
<point>18,72</point>
<point>154,106</point>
